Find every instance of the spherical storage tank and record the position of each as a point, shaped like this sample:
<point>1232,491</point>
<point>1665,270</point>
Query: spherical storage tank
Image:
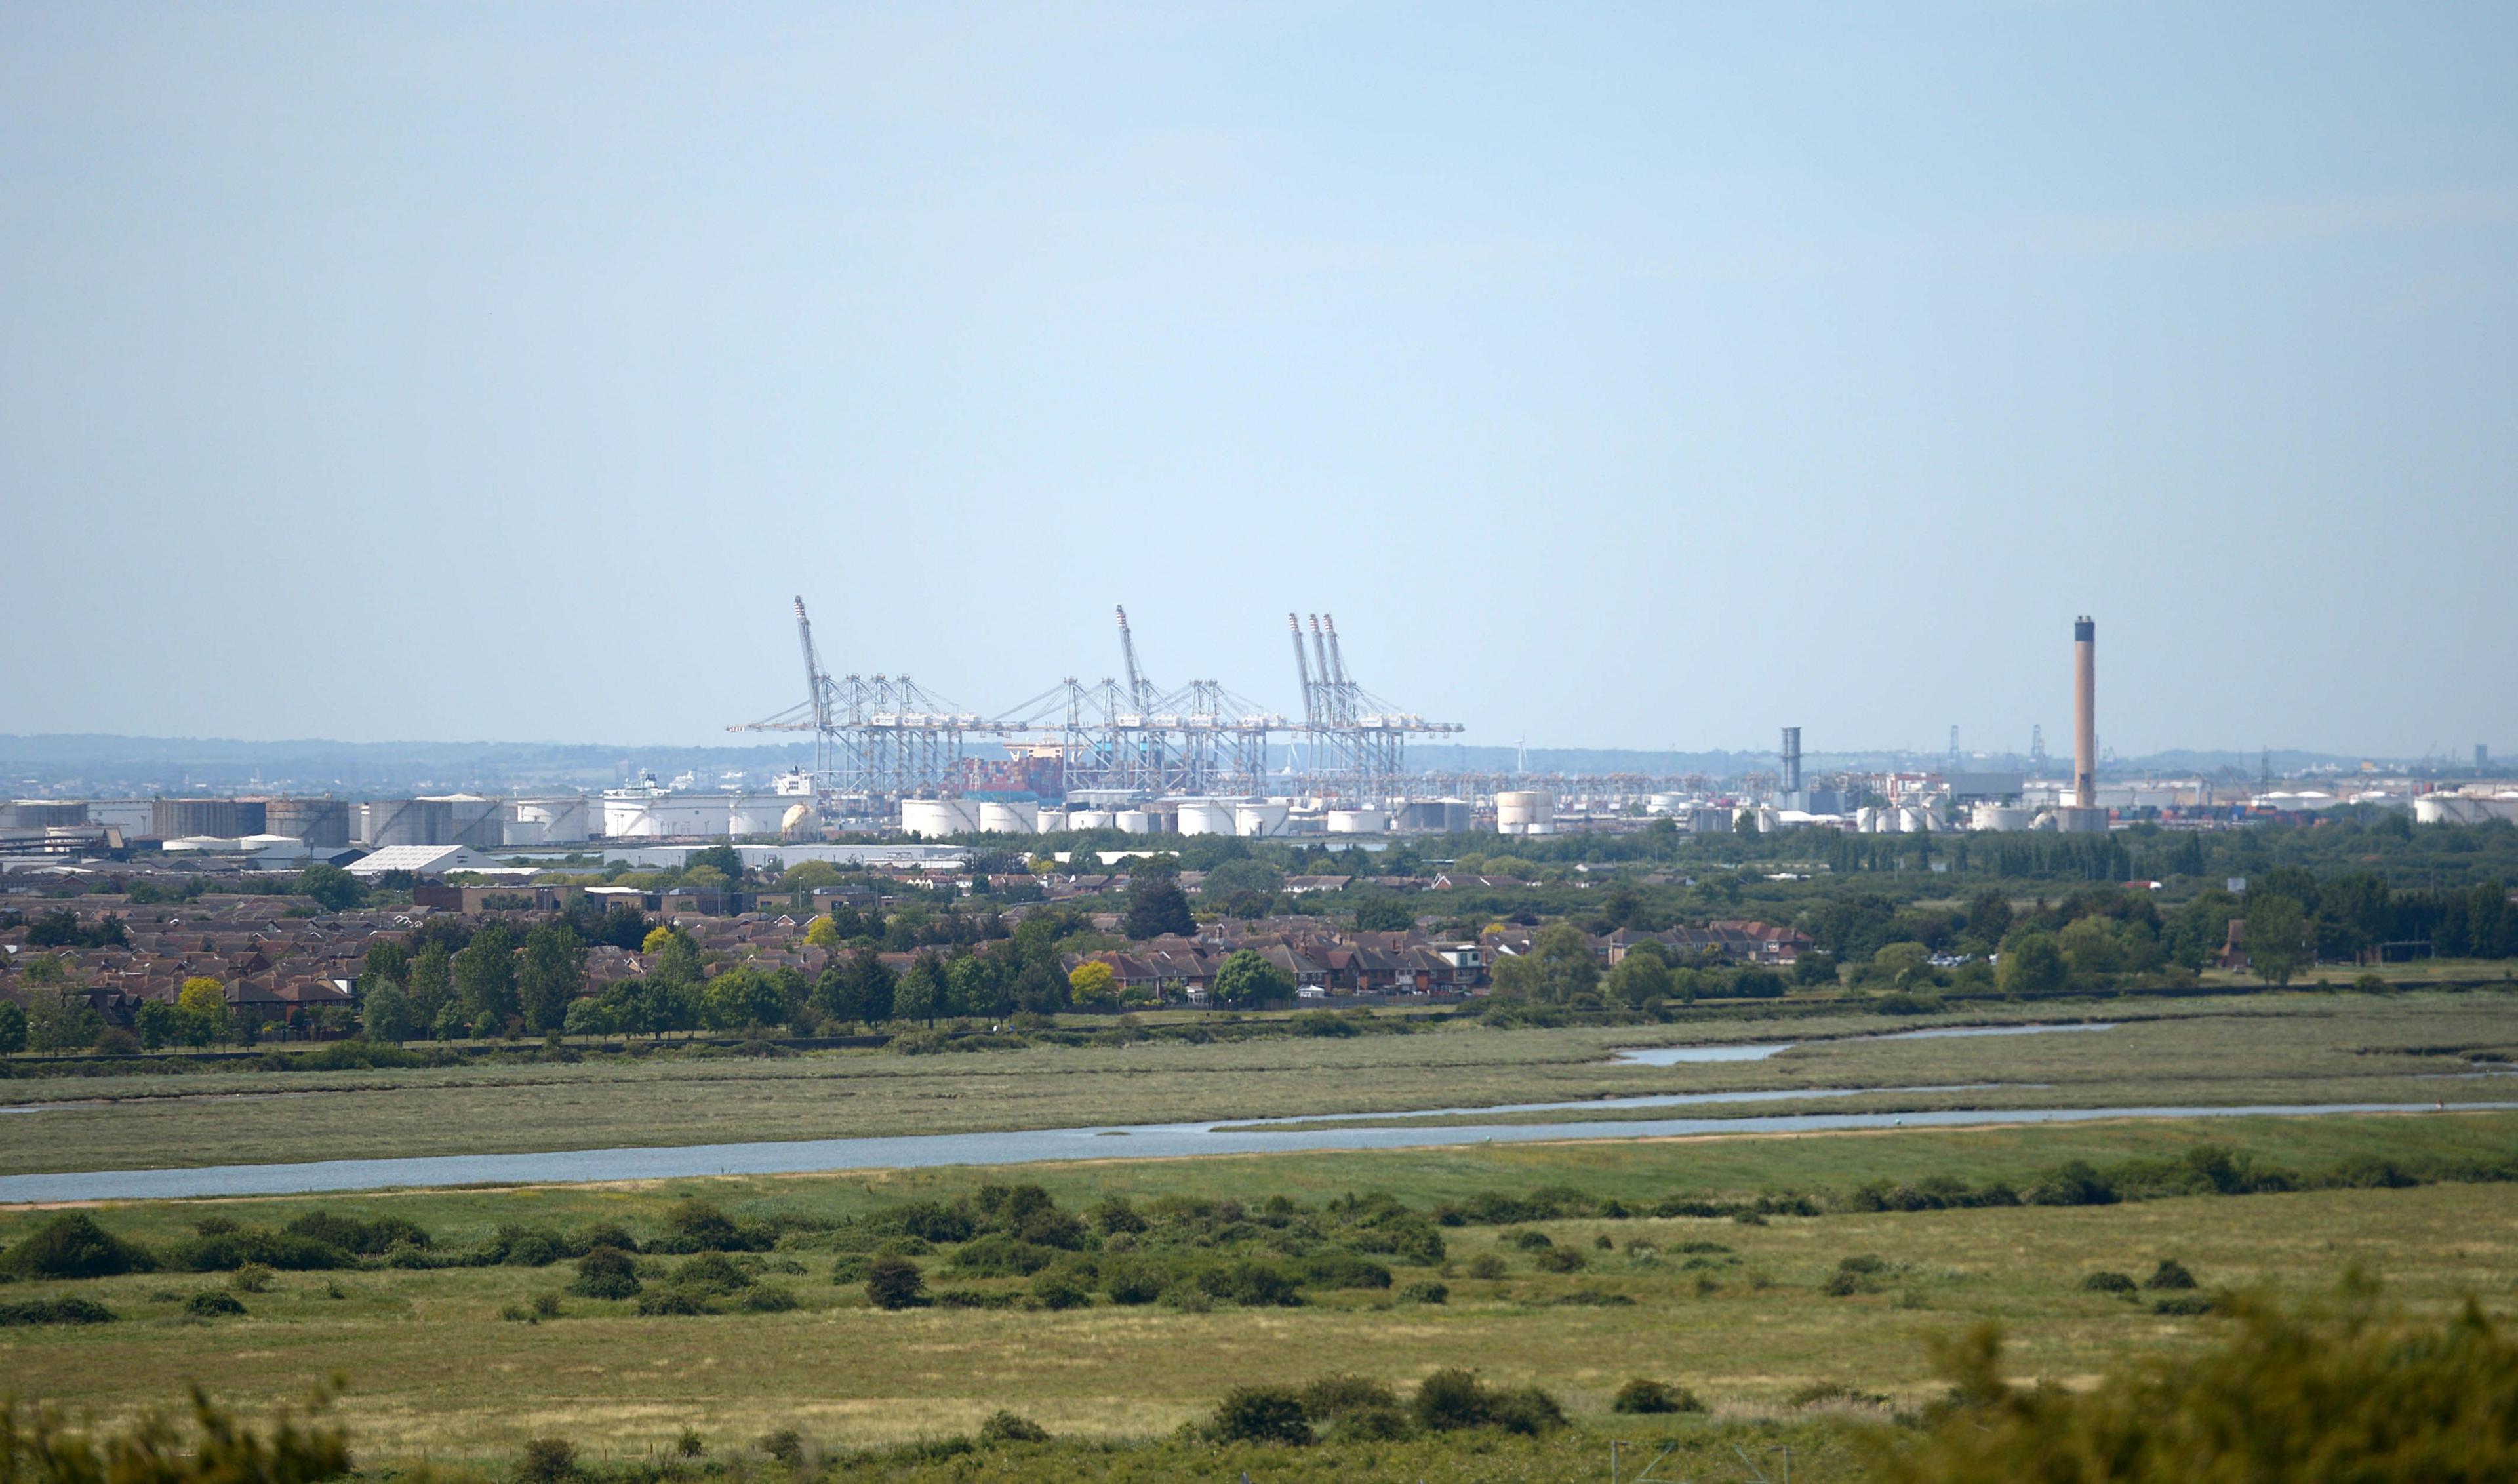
<point>1088,819</point>
<point>1355,821</point>
<point>1133,822</point>
<point>937,819</point>
<point>1205,816</point>
<point>1009,818</point>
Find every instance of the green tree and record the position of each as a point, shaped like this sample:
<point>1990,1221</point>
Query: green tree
<point>1559,967</point>
<point>551,974</point>
<point>2093,946</point>
<point>821,932</point>
<point>13,1026</point>
<point>62,1020</point>
<point>1157,908</point>
<point>740,997</point>
<point>978,985</point>
<point>203,1003</point>
<point>1244,875</point>
<point>386,961</point>
<point>923,990</point>
<point>2032,964</point>
<point>1246,978</point>
<point>388,1014</point>
<point>2277,936</point>
<point>1988,918</point>
<point>432,982</point>
<point>159,1023</point>
<point>485,975</point>
<point>723,859</point>
<point>1641,980</point>
<point>331,887</point>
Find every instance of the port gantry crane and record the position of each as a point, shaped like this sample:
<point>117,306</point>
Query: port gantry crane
<point>885,735</point>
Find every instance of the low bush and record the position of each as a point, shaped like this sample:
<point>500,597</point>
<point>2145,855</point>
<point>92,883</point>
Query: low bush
<point>1485,1265</point>
<point>1252,1284</point>
<point>547,1460</point>
<point>73,1246</point>
<point>1003,1426</point>
<point>786,1445</point>
<point>365,1238</point>
<point>1426,1292</point>
<point>2108,1282</point>
<point>54,1310</point>
<point>1642,1397</point>
<point>210,1304</point>
<point>1261,1415</point>
<point>894,1283</point>
<point>606,1273</point>
<point>2183,1305</point>
<point>2170,1274</point>
<point>1560,1260</point>
<point>1056,1289</point>
<point>1452,1399</point>
<point>766,1299</point>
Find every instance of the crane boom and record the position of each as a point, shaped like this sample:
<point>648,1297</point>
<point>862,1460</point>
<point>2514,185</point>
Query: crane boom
<point>817,689</point>
<point>1303,665</point>
<point>1330,697</point>
<point>1138,692</point>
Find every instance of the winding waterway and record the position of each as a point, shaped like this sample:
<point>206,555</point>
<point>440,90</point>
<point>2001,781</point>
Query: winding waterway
<point>1144,1141</point>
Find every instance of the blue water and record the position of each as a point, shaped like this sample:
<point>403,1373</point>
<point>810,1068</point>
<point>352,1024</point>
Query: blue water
<point>1672,1056</point>
<point>1145,1140</point>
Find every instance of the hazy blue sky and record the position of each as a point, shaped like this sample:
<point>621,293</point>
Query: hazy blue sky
<point>1616,374</point>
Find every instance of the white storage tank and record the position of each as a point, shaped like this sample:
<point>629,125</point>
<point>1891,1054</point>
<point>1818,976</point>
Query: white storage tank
<point>1261,819</point>
<point>561,820</point>
<point>1665,804</point>
<point>758,814</point>
<point>2002,816</point>
<point>1356,821</point>
<point>1051,821</point>
<point>1205,816</point>
<point>937,819</point>
<point>1912,821</point>
<point>1008,818</point>
<point>1518,810</point>
<point>1133,822</point>
<point>1088,819</point>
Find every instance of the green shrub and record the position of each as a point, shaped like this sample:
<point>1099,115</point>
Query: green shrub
<point>1003,1427</point>
<point>766,1299</point>
<point>232,1247</point>
<point>2073,1184</point>
<point>1485,1265</point>
<point>2108,1282</point>
<point>1261,1415</point>
<point>210,1304</point>
<point>1449,1400</point>
<point>1642,1398</point>
<point>2343,1391</point>
<point>786,1445</point>
<point>894,1283</point>
<point>54,1310</point>
<point>1426,1292</point>
<point>1530,1242</point>
<point>1560,1260</point>
<point>2184,1305</point>
<point>73,1246</point>
<point>528,1246</point>
<point>1343,1270</point>
<point>1252,1284</point>
<point>2170,1274</point>
<point>606,1273</point>
<point>545,1460</point>
<point>367,1239</point>
<point>252,1278</point>
<point>997,1255</point>
<point>1130,1282</point>
<point>1056,1289</point>
<point>1354,1407</point>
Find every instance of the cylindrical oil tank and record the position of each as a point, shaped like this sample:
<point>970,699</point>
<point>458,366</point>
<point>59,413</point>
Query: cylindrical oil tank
<point>1912,821</point>
<point>1052,821</point>
<point>1665,804</point>
<point>1205,816</point>
<point>1009,818</point>
<point>225,818</point>
<point>937,819</point>
<point>1133,822</point>
<point>1356,821</point>
<point>1866,820</point>
<point>323,823</point>
<point>1517,809</point>
<point>1261,819</point>
<point>559,820</point>
<point>758,814</point>
<point>2002,816</point>
<point>1088,819</point>
<point>47,813</point>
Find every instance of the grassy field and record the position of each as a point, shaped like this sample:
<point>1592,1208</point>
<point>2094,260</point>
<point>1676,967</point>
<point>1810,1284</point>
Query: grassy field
<point>2259,1049</point>
<point>436,1373</point>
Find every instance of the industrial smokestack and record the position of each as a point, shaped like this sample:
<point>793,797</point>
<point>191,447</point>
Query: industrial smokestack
<point>1791,755</point>
<point>2085,714</point>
